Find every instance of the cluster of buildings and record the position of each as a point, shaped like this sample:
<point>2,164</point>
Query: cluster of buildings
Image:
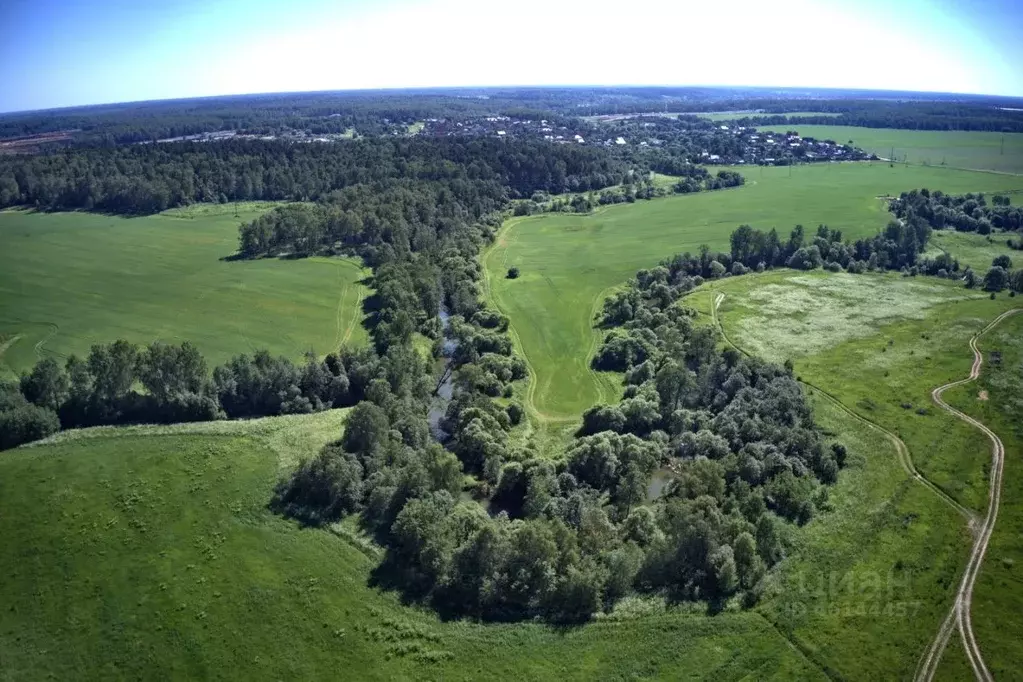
<point>717,144</point>
<point>506,126</point>
<point>773,148</point>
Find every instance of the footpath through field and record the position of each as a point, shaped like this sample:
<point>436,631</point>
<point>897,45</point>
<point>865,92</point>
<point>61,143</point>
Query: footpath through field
<point>959,614</point>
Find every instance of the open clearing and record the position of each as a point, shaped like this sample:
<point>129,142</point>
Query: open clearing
<point>975,250</point>
<point>997,596</point>
<point>69,280</point>
<point>570,262</point>
<point>955,149</point>
<point>885,373</point>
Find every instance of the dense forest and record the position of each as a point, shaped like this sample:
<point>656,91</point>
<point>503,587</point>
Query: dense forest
<point>152,178</point>
<point>561,539</point>
<point>919,115</point>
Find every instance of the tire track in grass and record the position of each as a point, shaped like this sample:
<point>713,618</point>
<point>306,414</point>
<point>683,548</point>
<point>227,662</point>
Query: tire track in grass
<point>959,614</point>
<point>901,449</point>
<point>961,608</point>
<point>41,345</point>
<point>4,345</point>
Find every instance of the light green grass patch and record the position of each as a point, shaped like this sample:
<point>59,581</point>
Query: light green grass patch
<point>976,250</point>
<point>886,368</point>
<point>70,280</point>
<point>868,581</point>
<point>788,315</point>
<point>292,437</point>
<point>998,594</point>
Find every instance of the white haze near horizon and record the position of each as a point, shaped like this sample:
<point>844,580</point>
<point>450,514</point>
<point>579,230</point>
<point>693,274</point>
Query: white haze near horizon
<point>221,48</point>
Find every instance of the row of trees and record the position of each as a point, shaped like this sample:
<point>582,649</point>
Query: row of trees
<point>121,383</point>
<point>878,113</point>
<point>692,178</point>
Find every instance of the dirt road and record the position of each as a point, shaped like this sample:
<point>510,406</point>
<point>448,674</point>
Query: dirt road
<point>960,614</point>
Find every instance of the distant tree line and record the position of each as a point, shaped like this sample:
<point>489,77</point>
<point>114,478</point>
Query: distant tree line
<point>691,178</point>
<point>873,113</point>
<point>145,179</point>
<point>388,113</point>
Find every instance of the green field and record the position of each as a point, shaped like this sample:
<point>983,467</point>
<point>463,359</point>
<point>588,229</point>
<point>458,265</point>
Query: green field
<point>955,149</point>
<point>975,250</point>
<point>69,280</point>
<point>570,262</point>
<point>149,552</point>
<point>884,370</point>
<point>998,597</point>
<point>136,552</point>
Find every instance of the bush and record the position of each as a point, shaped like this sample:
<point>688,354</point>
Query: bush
<point>513,273</point>
<point>322,489</point>
<point>26,423</point>
<point>996,279</point>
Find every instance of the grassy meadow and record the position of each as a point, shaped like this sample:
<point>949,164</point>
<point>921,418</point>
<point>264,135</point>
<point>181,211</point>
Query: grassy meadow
<point>954,149</point>
<point>135,552</point>
<point>884,368</point>
<point>997,400</point>
<point>569,262</point>
<point>974,250</point>
<point>139,552</point>
<point>69,280</point>
<point>149,552</point>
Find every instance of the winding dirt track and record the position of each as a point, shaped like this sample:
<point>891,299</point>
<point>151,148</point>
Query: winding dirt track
<point>960,611</point>
<point>959,614</point>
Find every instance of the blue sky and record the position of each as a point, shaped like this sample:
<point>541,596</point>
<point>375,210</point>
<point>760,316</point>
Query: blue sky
<point>67,52</point>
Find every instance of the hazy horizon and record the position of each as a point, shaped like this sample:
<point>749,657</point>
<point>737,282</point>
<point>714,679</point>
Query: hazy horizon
<point>523,86</point>
<point>56,54</point>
